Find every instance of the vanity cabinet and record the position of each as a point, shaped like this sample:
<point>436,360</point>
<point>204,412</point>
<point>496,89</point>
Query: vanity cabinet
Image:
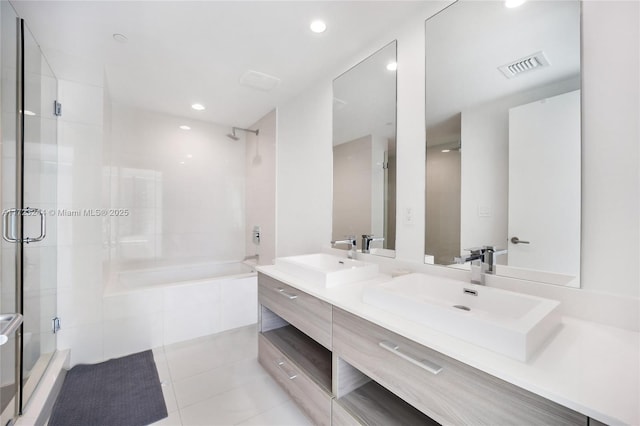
<point>444,389</point>
<point>294,345</point>
<point>344,370</point>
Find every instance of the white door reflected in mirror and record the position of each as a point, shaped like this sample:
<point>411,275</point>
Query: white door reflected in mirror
<point>544,185</point>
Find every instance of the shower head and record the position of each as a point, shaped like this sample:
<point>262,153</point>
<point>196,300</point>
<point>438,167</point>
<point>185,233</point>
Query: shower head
<point>233,136</point>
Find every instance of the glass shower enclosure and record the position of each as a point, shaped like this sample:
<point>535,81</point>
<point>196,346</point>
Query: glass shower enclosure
<point>28,193</point>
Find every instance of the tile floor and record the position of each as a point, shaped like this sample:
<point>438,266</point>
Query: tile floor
<point>216,380</point>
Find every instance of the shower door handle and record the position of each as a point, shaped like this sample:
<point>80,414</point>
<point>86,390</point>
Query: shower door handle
<point>9,225</point>
<point>9,231</point>
<point>43,225</point>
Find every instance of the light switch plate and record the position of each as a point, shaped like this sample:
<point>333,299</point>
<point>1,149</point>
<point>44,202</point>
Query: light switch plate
<point>484,211</point>
<point>408,216</point>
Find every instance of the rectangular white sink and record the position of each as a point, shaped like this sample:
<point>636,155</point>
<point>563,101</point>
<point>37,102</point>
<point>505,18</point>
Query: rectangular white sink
<point>506,322</point>
<point>326,270</point>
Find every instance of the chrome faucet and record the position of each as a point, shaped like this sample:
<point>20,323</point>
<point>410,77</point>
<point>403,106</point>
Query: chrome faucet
<point>367,240</point>
<point>350,240</point>
<point>483,261</point>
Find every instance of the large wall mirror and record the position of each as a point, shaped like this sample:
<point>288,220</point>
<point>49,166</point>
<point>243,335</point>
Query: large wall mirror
<point>504,136</point>
<point>364,152</point>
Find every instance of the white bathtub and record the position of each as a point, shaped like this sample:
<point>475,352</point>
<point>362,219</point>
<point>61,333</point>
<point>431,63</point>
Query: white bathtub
<point>136,279</point>
<point>153,307</point>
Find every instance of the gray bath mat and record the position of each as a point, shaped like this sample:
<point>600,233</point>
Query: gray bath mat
<point>120,392</point>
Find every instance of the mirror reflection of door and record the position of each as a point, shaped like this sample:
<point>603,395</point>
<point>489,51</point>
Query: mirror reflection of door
<point>544,185</point>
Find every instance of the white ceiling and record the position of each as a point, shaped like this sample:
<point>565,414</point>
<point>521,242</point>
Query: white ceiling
<point>182,52</point>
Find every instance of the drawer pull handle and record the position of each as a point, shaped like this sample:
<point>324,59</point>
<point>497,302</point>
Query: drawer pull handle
<point>288,295</point>
<point>281,367</point>
<point>431,367</point>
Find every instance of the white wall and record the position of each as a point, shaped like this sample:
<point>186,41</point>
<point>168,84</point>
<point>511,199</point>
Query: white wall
<point>611,134</point>
<point>261,188</point>
<point>184,190</point>
<point>610,150</point>
<point>304,173</point>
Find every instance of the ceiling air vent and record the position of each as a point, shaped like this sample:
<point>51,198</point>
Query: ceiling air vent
<point>259,80</point>
<point>528,63</point>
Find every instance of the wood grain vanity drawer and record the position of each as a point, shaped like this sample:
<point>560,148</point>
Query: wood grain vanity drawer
<point>444,389</point>
<point>307,313</point>
<point>315,402</point>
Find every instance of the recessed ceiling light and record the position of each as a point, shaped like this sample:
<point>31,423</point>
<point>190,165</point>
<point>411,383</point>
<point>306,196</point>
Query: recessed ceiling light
<point>183,127</point>
<point>318,26</point>
<point>513,3</point>
<point>392,66</point>
<point>446,150</point>
<point>189,156</point>
<point>27,112</point>
<point>182,162</point>
<point>120,38</point>
<point>198,107</point>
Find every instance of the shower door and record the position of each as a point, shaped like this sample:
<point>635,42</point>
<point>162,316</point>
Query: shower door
<point>28,193</point>
<point>8,38</point>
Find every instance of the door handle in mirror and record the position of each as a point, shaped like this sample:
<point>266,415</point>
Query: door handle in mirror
<point>516,240</point>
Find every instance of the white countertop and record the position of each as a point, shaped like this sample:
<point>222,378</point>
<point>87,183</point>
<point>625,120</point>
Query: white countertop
<point>589,367</point>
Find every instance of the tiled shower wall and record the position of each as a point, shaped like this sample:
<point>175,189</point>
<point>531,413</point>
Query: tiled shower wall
<point>181,193</point>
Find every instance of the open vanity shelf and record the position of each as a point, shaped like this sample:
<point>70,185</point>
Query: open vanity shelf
<point>311,357</point>
<point>372,404</point>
